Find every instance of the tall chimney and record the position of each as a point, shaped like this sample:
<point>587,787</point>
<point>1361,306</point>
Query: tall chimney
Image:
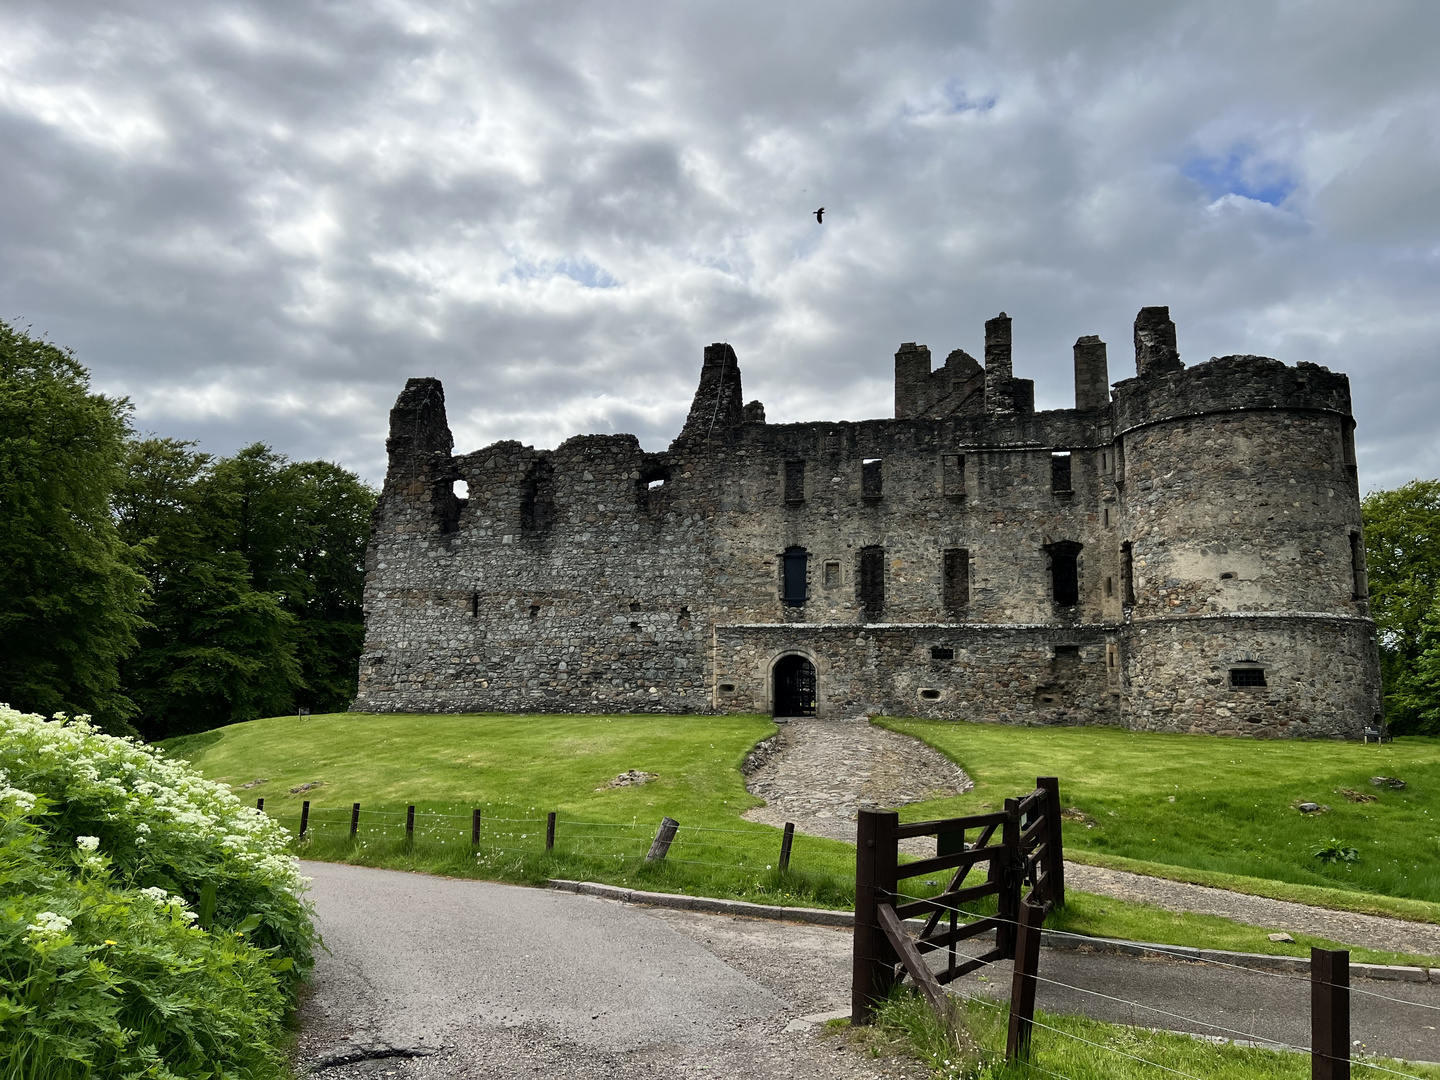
<point>1155,351</point>
<point>1092,374</point>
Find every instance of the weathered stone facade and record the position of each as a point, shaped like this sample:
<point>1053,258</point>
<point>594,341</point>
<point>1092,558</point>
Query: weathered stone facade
<point>1179,554</point>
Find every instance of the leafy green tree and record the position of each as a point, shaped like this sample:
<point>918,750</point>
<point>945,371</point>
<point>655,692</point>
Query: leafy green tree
<point>218,650</point>
<point>71,600</point>
<point>257,566</point>
<point>1402,553</point>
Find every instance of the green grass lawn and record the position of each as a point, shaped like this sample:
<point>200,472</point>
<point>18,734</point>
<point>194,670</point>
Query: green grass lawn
<point>1220,806</point>
<point>516,768</point>
<point>1076,1048</point>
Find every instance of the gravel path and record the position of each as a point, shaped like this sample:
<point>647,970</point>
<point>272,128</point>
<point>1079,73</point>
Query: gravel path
<point>1368,931</point>
<point>817,772</point>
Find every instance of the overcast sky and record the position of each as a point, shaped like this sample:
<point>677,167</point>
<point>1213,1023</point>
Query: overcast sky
<point>258,219</point>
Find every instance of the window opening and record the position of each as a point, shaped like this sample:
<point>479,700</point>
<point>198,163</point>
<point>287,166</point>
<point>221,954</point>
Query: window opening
<point>651,489</point>
<point>1067,652</point>
<point>474,605</point>
<point>1247,676</point>
<point>795,563</point>
<point>1127,573</point>
<point>870,582</point>
<point>1105,517</point>
<point>794,481</point>
<point>941,652</point>
<point>952,475</point>
<point>872,484</point>
<point>1112,655</point>
<point>1065,572</point>
<point>727,688</point>
<point>832,575</point>
<point>930,695</point>
<point>1060,472</point>
<point>1360,587</point>
<point>461,490</point>
<point>1109,586</point>
<point>537,499</point>
<point>956,586</point>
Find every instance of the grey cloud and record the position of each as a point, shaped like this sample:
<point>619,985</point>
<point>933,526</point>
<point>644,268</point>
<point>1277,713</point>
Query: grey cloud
<point>259,219</point>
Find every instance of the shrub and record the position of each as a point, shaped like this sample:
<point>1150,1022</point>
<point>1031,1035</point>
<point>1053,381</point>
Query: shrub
<point>152,926</point>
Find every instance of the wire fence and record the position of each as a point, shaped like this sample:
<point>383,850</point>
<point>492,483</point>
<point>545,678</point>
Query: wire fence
<point>710,847</point>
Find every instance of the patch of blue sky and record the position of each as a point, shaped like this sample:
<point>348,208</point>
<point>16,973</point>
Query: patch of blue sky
<point>582,271</point>
<point>948,99</point>
<point>1240,173</point>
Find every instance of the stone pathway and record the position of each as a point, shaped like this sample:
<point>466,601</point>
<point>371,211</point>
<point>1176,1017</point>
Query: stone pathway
<point>816,773</point>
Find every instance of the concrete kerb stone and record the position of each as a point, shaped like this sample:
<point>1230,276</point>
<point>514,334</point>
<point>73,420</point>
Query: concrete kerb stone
<point>1297,965</point>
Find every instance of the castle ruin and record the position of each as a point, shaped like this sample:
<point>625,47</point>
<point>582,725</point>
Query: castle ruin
<point>1181,552</point>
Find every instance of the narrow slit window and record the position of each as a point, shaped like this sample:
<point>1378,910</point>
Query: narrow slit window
<point>872,480</point>
<point>474,605</point>
<point>1109,586</point>
<point>794,565</point>
<point>870,582</point>
<point>1127,574</point>
<point>952,475</point>
<point>794,481</point>
<point>956,585</point>
<point>1065,572</point>
<point>1359,586</point>
<point>1105,517</point>
<point>1060,473</point>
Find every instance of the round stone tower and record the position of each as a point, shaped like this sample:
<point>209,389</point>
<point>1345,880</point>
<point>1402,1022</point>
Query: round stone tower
<point>1242,563</point>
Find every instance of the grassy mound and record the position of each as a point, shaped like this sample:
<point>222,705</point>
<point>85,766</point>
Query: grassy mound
<point>1221,806</point>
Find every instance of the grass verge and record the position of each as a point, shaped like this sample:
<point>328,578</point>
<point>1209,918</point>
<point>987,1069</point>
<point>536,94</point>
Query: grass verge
<point>972,1045</point>
<point>1220,806</point>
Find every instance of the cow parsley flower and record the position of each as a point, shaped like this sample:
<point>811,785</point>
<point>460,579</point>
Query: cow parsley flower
<point>87,843</point>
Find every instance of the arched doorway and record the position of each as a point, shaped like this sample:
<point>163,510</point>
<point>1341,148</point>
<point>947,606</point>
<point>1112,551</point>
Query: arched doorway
<point>794,686</point>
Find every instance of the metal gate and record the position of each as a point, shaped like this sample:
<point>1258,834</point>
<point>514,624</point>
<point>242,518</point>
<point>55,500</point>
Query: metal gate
<point>794,687</point>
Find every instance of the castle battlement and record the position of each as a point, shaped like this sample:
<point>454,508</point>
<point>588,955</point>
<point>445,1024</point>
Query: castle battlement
<point>1180,552</point>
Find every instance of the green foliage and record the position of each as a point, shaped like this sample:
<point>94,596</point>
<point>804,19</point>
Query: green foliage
<point>1336,850</point>
<point>1214,804</point>
<point>256,565</point>
<point>149,924</point>
<point>1402,553</point>
<point>70,598</point>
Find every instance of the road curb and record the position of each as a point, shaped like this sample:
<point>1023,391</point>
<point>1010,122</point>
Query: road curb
<point>1295,965</point>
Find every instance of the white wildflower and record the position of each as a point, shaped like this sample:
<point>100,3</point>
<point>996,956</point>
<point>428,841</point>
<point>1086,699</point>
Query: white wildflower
<point>155,893</point>
<point>87,843</point>
<point>49,924</point>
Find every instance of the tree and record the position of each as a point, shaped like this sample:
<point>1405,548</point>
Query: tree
<point>1402,553</point>
<point>257,567</point>
<point>71,600</point>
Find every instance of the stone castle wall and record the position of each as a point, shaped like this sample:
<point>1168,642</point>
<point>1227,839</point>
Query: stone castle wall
<point>1114,563</point>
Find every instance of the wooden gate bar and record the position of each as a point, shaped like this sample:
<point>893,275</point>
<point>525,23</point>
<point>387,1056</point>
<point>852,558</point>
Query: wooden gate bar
<point>914,963</point>
<point>873,966</point>
<point>1054,850</point>
<point>1022,987</point>
<point>1329,1014</point>
<point>930,828</point>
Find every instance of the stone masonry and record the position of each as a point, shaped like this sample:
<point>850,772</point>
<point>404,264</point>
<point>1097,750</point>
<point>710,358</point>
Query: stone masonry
<point>1179,552</point>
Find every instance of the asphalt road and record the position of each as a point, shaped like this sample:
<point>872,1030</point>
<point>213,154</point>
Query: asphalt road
<point>489,980</point>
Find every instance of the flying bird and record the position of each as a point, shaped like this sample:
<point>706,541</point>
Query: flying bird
<point>820,216</point>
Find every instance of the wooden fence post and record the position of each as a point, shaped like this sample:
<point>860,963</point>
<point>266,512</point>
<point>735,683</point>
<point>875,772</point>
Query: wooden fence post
<point>304,818</point>
<point>1008,902</point>
<point>550,832</point>
<point>410,826</point>
<point>785,842</point>
<point>1022,987</point>
<point>260,804</point>
<point>475,827</point>
<point>663,836</point>
<point>873,958</point>
<point>1054,847</point>
<point>1329,1014</point>
<point>354,820</point>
